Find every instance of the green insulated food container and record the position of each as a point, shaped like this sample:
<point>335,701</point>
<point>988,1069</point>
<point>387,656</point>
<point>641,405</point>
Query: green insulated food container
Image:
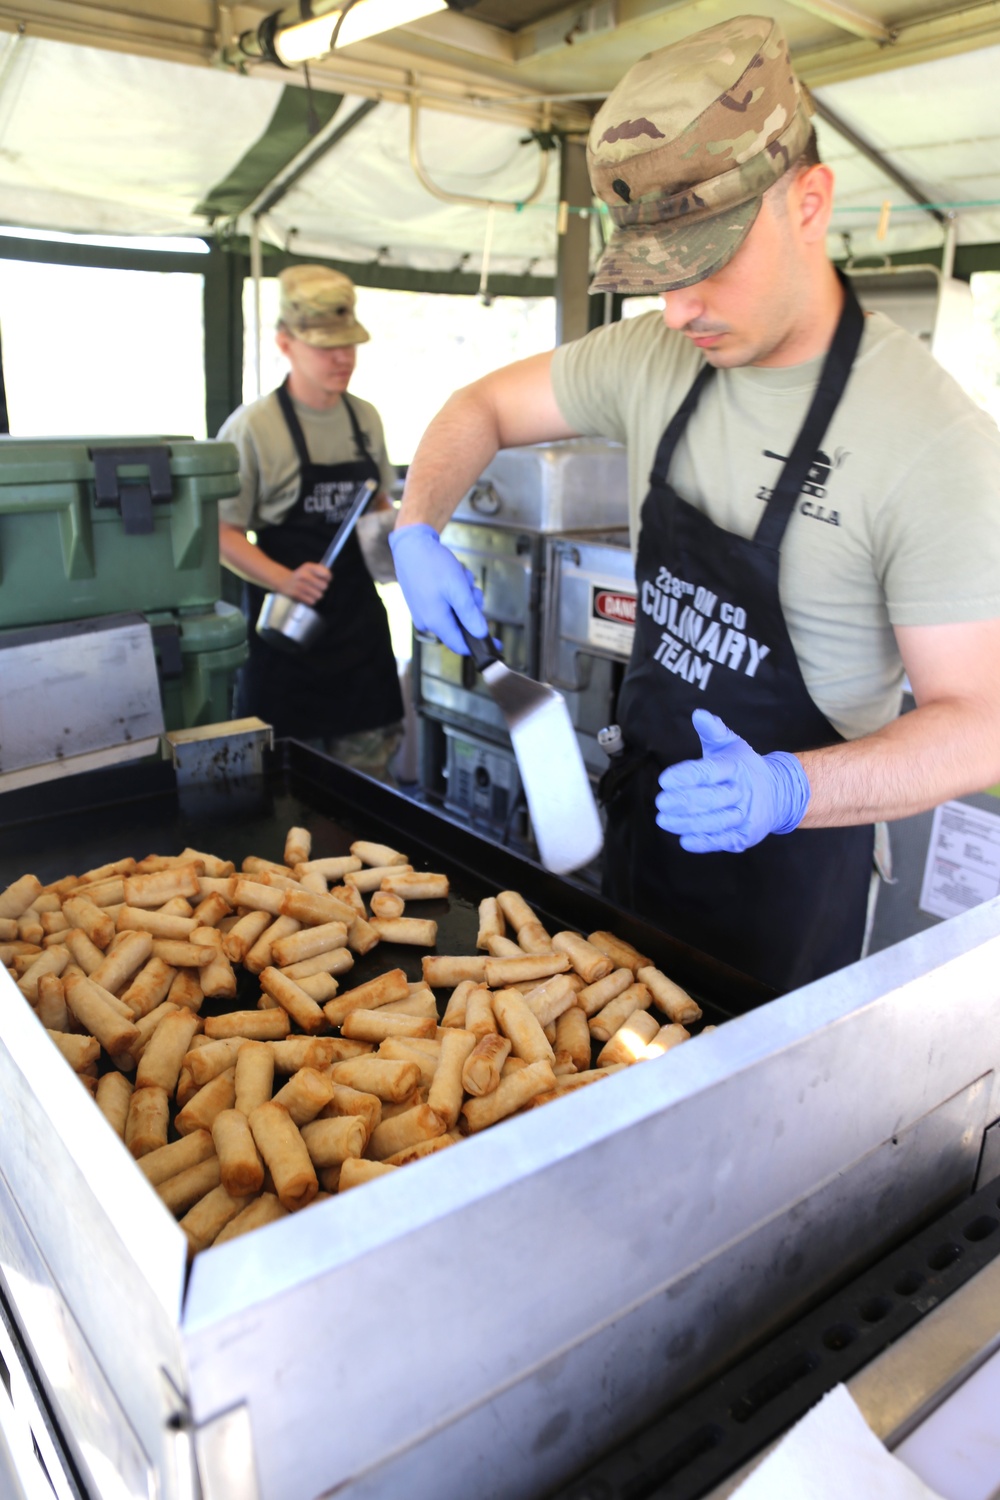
<point>197,657</point>
<point>98,526</point>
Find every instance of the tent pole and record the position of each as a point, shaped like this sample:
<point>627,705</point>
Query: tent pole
<point>255,276</point>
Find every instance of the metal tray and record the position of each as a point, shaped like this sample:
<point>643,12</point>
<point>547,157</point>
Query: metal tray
<point>493,1318</point>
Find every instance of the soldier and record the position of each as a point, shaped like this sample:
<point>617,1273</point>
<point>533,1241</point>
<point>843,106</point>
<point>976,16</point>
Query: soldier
<point>760,708</point>
<point>304,449</point>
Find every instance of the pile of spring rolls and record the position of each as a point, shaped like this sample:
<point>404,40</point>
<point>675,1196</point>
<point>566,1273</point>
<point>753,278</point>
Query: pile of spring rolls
<point>240,1117</point>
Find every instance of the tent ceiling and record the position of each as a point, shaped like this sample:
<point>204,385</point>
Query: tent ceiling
<point>118,117</point>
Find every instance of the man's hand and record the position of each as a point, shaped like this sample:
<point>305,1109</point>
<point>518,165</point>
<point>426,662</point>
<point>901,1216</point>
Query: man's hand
<point>307,583</point>
<point>436,586</point>
<point>733,797</point>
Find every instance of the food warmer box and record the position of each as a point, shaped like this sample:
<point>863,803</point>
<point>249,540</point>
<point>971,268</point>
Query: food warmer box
<point>501,532</point>
<point>496,1317</point>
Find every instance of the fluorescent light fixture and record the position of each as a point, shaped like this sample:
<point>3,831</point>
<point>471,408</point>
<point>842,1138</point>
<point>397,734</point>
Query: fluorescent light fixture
<point>297,43</point>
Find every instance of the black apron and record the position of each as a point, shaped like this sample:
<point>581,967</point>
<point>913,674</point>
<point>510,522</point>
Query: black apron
<point>710,633</point>
<point>348,681</point>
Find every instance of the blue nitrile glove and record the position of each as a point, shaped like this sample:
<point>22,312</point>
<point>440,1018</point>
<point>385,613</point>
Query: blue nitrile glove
<point>732,797</point>
<point>436,586</point>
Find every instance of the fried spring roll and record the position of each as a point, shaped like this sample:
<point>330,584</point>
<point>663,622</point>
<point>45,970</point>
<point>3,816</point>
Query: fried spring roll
<point>423,1148</point>
<point>293,999</point>
<point>479,1015</point>
<point>181,955</point>
<point>506,971</point>
<point>377,854</point>
<point>254,1025</point>
<point>445,1096</point>
<point>503,947</point>
<point>420,1003</point>
<point>675,1003</point>
<point>454,1011</point>
<point>308,943</point>
<point>208,1061</point>
<point>258,897</point>
<point>607,1021</point>
<point>8,926</point>
<point>354,1172</point>
<point>332,1141</point>
<point>52,922</point>
<point>244,933</point>
<point>392,985</point>
<point>124,961</point>
<point>182,1190</point>
<point>334,961</point>
<point>387,904</point>
<point>491,922</point>
<point>214,867</point>
<point>549,1000</point>
<point>114,1095</point>
<point>240,1167</point>
<point>415,885</point>
<point>298,846</point>
<point>161,886</point>
<point>157,924</point>
<point>334,867</point>
<point>481,1072</point>
<point>263,1210</point>
<point>15,900</point>
<point>388,1080</point>
<point>145,1026</point>
<point>533,938</point>
<point>371,879</point>
<point>420,932</point>
<point>260,956</point>
<point>253,863</point>
<point>150,986</point>
<point>163,1054</point>
<point>376,1025</point>
<point>50,1007</point>
<point>202,1108</point>
<point>595,996</point>
<point>398,1049</point>
<point>621,954</point>
<point>520,1025</point>
<point>361,936</point>
<point>147,1121</point>
<point>217,979</point>
<point>185,990</point>
<point>91,919</point>
<point>314,910</point>
<point>254,1077</point>
<point>168,1161</point>
<point>348,1101</point>
<point>86,1000</point>
<point>629,1042</point>
<point>53,961</point>
<point>79,1051</point>
<point>305,1094</point>
<point>418,1124</point>
<point>512,1093</point>
<point>351,898</point>
<point>589,962</point>
<point>203,1223</point>
<point>284,1151</point>
<point>319,987</point>
<point>666,1037</point>
<point>445,971</point>
<point>515,909</point>
<point>85,953</point>
<point>211,910</point>
<point>573,1037</point>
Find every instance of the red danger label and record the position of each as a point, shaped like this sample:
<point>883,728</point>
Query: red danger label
<point>617,607</point>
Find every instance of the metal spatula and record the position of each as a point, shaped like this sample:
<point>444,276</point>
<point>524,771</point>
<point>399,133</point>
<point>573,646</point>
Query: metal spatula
<point>564,814</point>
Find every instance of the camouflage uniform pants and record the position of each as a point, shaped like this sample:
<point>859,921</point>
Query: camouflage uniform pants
<point>369,751</point>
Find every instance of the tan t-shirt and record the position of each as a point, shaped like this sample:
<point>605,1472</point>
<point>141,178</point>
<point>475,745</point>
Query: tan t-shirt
<point>899,523</point>
<point>269,465</point>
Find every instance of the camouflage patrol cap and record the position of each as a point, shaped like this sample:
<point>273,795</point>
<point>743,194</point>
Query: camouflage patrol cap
<point>684,148</point>
<point>317,306</point>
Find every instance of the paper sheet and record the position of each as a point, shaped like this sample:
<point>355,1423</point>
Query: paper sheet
<point>829,1454</point>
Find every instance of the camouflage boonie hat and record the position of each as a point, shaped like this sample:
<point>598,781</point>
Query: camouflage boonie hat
<point>317,306</point>
<point>684,148</point>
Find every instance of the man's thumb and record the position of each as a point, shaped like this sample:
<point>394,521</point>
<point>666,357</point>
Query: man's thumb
<point>711,731</point>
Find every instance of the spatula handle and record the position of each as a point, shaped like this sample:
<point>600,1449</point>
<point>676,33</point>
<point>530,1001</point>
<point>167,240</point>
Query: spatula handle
<point>481,648</point>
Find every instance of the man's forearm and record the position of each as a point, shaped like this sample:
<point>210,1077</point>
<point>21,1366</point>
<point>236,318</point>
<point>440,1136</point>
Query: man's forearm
<point>450,457</point>
<point>241,556</point>
<point>944,749</point>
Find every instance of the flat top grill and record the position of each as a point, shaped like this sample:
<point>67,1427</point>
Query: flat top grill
<point>84,821</point>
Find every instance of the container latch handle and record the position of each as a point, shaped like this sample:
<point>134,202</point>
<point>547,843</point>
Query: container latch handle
<point>133,498</point>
